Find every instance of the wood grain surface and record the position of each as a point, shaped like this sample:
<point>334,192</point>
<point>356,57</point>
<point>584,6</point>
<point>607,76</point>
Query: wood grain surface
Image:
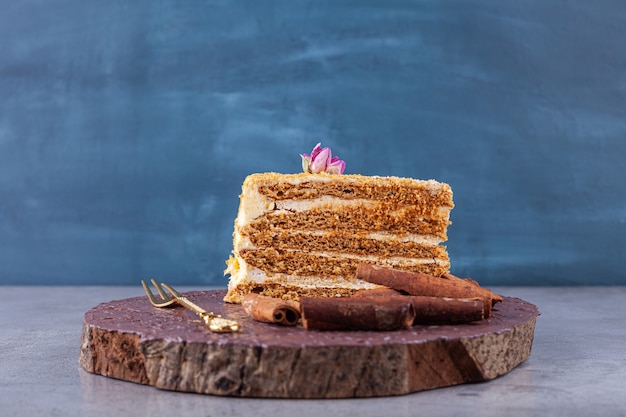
<point>172,350</point>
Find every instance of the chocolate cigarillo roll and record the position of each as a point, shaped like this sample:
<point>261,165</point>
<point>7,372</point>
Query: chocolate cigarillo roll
<point>357,313</point>
<point>440,310</point>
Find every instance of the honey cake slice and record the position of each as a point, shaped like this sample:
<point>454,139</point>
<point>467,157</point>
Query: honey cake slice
<point>304,234</point>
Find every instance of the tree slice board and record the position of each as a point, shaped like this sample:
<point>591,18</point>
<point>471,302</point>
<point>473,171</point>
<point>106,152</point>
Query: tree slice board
<point>171,349</point>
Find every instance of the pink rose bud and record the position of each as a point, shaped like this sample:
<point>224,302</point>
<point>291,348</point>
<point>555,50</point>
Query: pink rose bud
<point>321,160</point>
<point>336,166</point>
<point>316,150</point>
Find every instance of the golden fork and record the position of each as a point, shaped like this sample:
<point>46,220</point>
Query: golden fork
<point>215,322</point>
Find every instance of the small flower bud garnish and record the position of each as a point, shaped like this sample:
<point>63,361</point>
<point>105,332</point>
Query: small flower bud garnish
<point>321,160</point>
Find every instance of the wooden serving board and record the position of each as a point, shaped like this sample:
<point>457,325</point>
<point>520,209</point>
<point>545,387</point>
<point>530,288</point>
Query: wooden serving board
<point>171,349</point>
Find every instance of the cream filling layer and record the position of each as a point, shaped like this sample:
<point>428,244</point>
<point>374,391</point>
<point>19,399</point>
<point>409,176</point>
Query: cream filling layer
<point>244,273</point>
<point>394,260</point>
<point>240,271</point>
<point>254,205</point>
<point>335,202</point>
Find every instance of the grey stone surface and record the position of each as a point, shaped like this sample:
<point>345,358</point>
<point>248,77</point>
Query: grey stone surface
<point>577,366</point>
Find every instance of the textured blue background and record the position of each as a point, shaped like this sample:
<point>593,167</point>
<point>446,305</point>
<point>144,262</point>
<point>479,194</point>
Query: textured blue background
<point>127,127</point>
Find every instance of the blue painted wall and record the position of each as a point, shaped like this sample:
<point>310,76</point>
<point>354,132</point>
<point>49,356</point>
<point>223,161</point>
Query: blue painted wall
<point>127,127</point>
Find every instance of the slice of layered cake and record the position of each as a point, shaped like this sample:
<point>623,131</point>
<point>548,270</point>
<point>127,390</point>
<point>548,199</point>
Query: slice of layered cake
<point>305,234</point>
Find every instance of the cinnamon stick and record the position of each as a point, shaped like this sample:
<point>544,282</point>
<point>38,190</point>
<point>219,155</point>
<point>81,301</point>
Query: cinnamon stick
<point>437,310</point>
<point>414,283</point>
<point>357,313</point>
<point>495,298</point>
<point>441,310</point>
<point>271,310</point>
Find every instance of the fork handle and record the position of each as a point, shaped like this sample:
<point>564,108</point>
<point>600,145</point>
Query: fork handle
<point>204,314</point>
<point>215,322</point>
